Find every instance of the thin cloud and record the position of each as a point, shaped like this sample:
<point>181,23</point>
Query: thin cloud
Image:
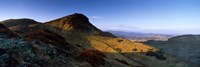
<point>95,17</point>
<point>127,27</point>
<point>120,28</point>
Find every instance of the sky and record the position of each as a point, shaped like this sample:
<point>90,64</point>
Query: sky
<point>147,16</point>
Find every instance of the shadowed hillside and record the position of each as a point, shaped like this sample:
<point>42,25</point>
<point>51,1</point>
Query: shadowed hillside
<point>18,22</point>
<point>21,25</point>
<point>185,46</point>
<point>6,32</point>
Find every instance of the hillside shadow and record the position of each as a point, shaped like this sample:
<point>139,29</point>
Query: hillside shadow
<point>126,58</point>
<point>79,40</point>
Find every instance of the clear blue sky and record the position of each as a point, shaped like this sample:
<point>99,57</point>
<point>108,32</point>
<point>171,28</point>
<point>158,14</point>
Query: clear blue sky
<point>150,16</point>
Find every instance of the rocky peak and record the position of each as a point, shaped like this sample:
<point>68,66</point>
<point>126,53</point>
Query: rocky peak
<point>76,23</point>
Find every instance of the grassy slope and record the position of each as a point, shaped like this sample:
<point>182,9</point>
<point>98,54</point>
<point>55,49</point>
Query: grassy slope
<point>126,49</point>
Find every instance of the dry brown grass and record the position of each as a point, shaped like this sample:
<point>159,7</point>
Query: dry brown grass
<point>123,45</point>
<point>94,57</point>
<point>46,37</point>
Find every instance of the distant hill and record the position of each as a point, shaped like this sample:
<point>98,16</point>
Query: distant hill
<point>72,41</point>
<point>18,22</point>
<point>21,25</point>
<point>185,46</point>
<point>141,37</point>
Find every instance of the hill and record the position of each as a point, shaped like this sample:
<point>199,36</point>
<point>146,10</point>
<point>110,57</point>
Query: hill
<point>73,41</point>
<point>18,51</point>
<point>185,46</point>
<point>21,25</point>
<point>77,24</point>
<point>18,22</point>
